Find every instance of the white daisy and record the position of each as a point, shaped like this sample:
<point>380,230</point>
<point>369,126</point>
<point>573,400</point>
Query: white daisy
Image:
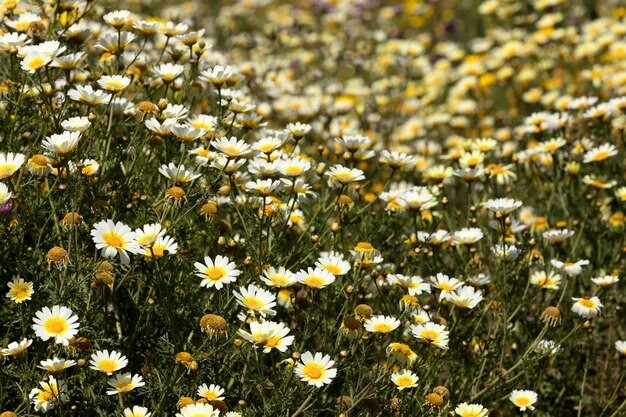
<point>59,324</point>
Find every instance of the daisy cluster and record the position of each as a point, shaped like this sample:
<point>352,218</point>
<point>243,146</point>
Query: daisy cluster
<point>349,208</point>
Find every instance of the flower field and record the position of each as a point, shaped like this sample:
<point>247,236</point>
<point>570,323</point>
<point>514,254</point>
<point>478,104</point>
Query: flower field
<point>312,208</point>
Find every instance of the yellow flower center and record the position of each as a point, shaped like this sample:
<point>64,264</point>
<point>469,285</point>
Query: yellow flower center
<point>403,349</point>
<point>113,239</point>
<point>586,303</point>
<point>56,326</point>
<point>20,292</point>
<point>279,280</point>
<point>125,386</point>
<point>544,282</point>
<point>404,381</point>
<point>253,303</point>
<point>333,269</point>
<point>522,401</point>
<point>6,170</point>
<point>313,371</point>
<point>444,286</point>
<point>158,251</point>
<point>36,63</point>
<point>429,335</point>
<point>293,170</point>
<point>114,85</point>
<point>266,147</point>
<point>314,281</point>
<point>215,273</point>
<point>231,150</point>
<point>210,395</point>
<point>343,175</point>
<point>599,156</point>
<point>473,161</point>
<point>45,396</point>
<point>272,342</point>
<point>382,327</point>
<point>107,365</point>
<point>147,240</point>
<point>364,247</point>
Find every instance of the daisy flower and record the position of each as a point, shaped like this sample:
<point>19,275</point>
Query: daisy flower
<point>20,290</point>
<point>401,353</point>
<point>88,95</point>
<point>161,246</point>
<point>547,280</point>
<point>178,174</point>
<point>34,61</point>
<point>51,391</point>
<point>620,345</point>
<point>10,163</point>
<point>505,252</point>
<point>114,83</point>
<point>280,277</point>
<point>415,285</point>
<point>446,284</point>
<point>231,148</point>
<point>417,198</point>
<point>523,399</point>
<point>147,235</point>
<point>55,365</point>
<point>168,72</point>
<point>587,307</point>
<point>124,383</point>
<point>471,410</point>
<point>16,348</point>
<point>198,410</point>
<point>115,238</point>
<point>467,236</point>
<point>503,206</point>
<point>353,143</point>
<point>136,411</point>
<point>333,264</point>
<point>571,268</point>
<point>466,297</point>
<point>118,18</point>
<point>339,175</point>
<point>216,273</point>
<point>293,167</point>
<point>382,324</point>
<point>600,153</point>
<point>315,370</point>
<point>89,167</point>
<point>219,75</point>
<point>210,392</point>
<point>160,128</point>
<point>366,254</point>
<point>59,324</point>
<point>268,335</point>
<point>605,281</point>
<point>264,188</point>
<point>404,379</point>
<point>187,134</point>
<point>548,347</point>
<point>557,236</point>
<point>396,160</point>
<point>436,238</point>
<point>315,277</point>
<point>299,130</point>
<point>431,333</point>
<point>551,145</point>
<point>62,144</point>
<point>106,362</point>
<point>256,300</point>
